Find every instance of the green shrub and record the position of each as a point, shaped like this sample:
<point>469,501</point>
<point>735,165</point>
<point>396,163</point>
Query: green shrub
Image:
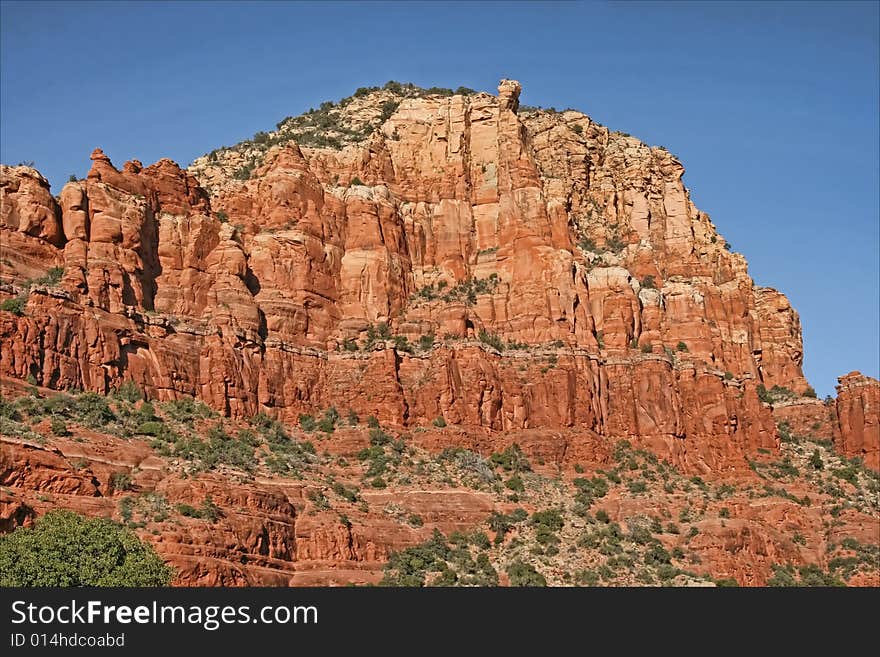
<point>616,244</point>
<point>681,346</point>
<point>15,305</point>
<point>120,481</point>
<point>550,518</point>
<point>524,574</point>
<point>219,449</point>
<point>93,410</point>
<point>155,429</point>
<point>356,181</point>
<point>637,486</point>
<point>511,459</point>
<point>648,282</point>
<point>207,511</point>
<point>426,342</point>
<point>379,437</point>
<point>348,494</point>
<point>515,483</point>
<point>244,173</point>
<point>59,427</point>
<point>66,549</point>
<point>491,339</point>
<point>401,343</point>
<point>439,421</point>
<point>775,395</point>
<point>128,391</point>
<point>307,422</point>
<point>327,423</point>
<point>501,523</point>
<point>187,410</point>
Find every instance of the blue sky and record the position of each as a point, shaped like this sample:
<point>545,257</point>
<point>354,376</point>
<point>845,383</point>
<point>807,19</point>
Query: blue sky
<point>772,108</point>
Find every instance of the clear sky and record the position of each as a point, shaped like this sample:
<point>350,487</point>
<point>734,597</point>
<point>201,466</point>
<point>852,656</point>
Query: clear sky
<point>772,108</point>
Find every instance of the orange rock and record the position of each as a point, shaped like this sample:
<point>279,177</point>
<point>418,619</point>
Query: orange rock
<point>475,218</point>
<point>858,417</point>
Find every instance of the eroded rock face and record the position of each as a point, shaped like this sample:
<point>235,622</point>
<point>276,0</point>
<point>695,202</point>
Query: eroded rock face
<point>459,217</point>
<point>858,417</point>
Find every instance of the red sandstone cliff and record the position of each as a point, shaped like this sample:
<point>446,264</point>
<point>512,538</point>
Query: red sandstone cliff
<point>544,281</point>
<point>549,230</point>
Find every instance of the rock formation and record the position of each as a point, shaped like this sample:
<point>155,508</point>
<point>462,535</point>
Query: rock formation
<point>414,255</point>
<point>858,418</point>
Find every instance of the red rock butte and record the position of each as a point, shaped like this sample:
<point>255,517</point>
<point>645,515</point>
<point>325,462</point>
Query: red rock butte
<point>545,229</point>
<point>528,276</point>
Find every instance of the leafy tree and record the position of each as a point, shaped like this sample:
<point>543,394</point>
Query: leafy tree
<point>66,549</point>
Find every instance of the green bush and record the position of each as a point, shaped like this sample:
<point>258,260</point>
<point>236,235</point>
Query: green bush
<point>327,423</point>
<point>15,305</point>
<point>401,343</point>
<point>155,429</point>
<point>515,483</point>
<point>439,422</point>
<point>681,346</point>
<point>356,181</point>
<point>511,459</point>
<point>128,391</point>
<point>637,486</point>
<point>588,245</point>
<point>379,437</point>
<point>348,494</point>
<point>491,339</point>
<point>550,518</point>
<point>307,422</point>
<point>776,394</point>
<point>120,481</point>
<point>207,511</point>
<point>187,410</point>
<point>93,410</point>
<point>59,427</point>
<point>648,282</point>
<point>524,574</point>
<point>66,549</point>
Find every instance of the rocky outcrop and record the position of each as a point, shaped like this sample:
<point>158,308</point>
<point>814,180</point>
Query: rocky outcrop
<point>858,418</point>
<point>556,272</point>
